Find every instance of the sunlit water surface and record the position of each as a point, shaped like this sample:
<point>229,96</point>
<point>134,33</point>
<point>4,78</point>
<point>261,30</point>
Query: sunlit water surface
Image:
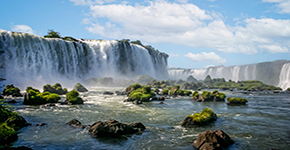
<point>264,123</point>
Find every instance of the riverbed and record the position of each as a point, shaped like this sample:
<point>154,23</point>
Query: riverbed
<point>261,124</point>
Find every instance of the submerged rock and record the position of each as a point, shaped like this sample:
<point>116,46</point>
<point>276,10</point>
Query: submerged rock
<point>213,140</point>
<point>108,93</point>
<point>113,128</point>
<point>120,93</point>
<point>75,123</point>
<point>136,102</point>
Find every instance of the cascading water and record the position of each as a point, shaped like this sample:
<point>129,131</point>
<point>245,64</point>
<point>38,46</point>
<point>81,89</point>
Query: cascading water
<point>284,82</point>
<point>272,73</point>
<point>29,60</point>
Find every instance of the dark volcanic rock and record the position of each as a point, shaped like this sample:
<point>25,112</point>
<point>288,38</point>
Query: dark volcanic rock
<point>75,123</point>
<point>212,140</point>
<point>161,98</point>
<point>136,102</point>
<point>108,93</point>
<point>120,93</point>
<point>113,128</point>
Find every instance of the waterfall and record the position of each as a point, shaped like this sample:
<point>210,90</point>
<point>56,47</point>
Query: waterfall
<point>30,60</point>
<point>272,73</point>
<point>284,77</point>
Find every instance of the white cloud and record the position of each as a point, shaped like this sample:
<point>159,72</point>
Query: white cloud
<point>282,5</point>
<point>22,28</point>
<point>210,57</point>
<point>187,24</point>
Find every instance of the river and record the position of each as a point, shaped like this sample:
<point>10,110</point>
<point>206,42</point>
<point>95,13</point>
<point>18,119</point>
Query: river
<point>261,124</point>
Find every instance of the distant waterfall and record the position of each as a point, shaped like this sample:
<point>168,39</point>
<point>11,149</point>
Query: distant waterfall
<point>284,82</point>
<point>273,73</point>
<point>29,60</point>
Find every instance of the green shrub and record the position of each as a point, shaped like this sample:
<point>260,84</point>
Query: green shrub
<point>72,97</point>
<point>171,92</point>
<point>187,92</point>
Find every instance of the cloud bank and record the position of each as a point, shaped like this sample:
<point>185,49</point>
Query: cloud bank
<point>185,23</point>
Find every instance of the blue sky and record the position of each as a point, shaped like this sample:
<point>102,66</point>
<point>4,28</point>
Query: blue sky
<point>195,33</point>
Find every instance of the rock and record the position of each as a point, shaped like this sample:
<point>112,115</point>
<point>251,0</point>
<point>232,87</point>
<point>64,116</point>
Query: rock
<point>75,123</point>
<point>80,88</point>
<point>161,103</point>
<point>136,102</point>
<point>12,102</point>
<point>11,90</point>
<point>18,121</point>
<point>153,98</point>
<point>212,140</point>
<point>113,128</point>
<point>161,98</point>
<point>120,93</point>
<point>108,93</point>
<point>42,124</point>
<point>1,97</point>
<point>199,119</point>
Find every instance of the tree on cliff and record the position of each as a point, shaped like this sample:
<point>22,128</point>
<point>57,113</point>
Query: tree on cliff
<point>52,34</point>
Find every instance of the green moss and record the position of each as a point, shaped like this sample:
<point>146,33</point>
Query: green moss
<point>195,94</point>
<point>11,90</point>
<point>56,88</point>
<point>37,98</point>
<point>73,98</point>
<point>6,132</point>
<point>206,95</point>
<point>204,117</point>
<point>237,99</point>
<point>165,92</point>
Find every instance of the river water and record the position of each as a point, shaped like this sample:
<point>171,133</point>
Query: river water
<point>264,123</point>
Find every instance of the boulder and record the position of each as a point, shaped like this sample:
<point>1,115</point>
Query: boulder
<point>120,93</point>
<point>136,102</point>
<point>18,122</point>
<point>11,90</point>
<point>108,93</point>
<point>113,128</point>
<point>75,123</point>
<point>161,98</point>
<point>212,140</point>
<point>199,119</point>
<point>80,88</point>
<point>1,97</point>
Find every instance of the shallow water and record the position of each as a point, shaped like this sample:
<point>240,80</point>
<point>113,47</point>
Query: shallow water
<point>261,124</point>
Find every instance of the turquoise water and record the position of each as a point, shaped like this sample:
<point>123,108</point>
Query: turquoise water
<point>261,124</point>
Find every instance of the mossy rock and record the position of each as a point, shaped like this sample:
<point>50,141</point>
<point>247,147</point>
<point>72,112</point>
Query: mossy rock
<point>199,119</point>
<point>56,88</point>
<point>208,96</point>
<point>236,101</point>
<point>11,90</point>
<point>35,97</point>
<point>141,93</point>
<point>72,98</point>
<point>10,122</point>
<point>80,88</point>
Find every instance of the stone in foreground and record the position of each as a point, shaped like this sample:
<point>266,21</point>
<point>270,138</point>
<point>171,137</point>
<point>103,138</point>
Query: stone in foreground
<point>213,140</point>
<point>113,128</point>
